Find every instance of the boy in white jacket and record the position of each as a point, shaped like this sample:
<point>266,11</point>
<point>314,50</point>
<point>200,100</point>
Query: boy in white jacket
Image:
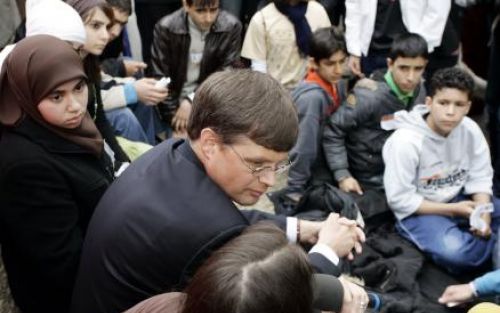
<point>437,170</point>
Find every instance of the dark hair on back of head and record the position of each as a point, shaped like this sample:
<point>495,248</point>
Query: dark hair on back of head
<point>256,272</point>
<point>245,103</point>
<point>201,3</point>
<point>325,42</point>
<point>122,5</point>
<point>451,77</point>
<point>409,45</point>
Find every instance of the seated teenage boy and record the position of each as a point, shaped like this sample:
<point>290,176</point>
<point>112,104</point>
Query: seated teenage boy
<point>353,138</point>
<point>438,169</point>
<point>189,45</point>
<point>316,98</point>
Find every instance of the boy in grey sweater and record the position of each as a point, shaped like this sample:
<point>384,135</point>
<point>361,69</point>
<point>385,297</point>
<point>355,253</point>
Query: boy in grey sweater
<point>438,170</point>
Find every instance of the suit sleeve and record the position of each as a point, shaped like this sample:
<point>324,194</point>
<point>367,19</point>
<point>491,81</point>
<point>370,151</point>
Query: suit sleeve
<point>319,262</point>
<point>323,265</point>
<point>255,216</point>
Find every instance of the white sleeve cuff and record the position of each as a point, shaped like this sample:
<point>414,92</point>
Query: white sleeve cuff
<point>326,251</point>
<point>190,96</point>
<point>291,229</point>
<point>259,66</point>
<point>473,289</point>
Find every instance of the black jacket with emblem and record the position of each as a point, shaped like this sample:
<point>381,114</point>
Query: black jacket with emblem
<point>170,50</point>
<point>49,188</point>
<point>353,138</point>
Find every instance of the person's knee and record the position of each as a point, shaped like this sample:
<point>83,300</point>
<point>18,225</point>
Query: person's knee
<point>459,253</point>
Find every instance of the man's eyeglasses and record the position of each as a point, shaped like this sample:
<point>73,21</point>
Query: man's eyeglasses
<point>260,171</point>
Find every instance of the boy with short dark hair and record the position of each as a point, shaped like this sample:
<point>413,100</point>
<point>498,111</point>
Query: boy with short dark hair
<point>353,138</point>
<point>316,98</point>
<point>438,170</point>
<point>189,45</point>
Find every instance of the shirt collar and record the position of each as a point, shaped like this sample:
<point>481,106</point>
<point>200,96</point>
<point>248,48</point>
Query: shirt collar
<point>405,97</point>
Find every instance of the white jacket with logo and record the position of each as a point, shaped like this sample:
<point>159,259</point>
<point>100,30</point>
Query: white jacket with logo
<point>421,164</point>
<point>424,17</point>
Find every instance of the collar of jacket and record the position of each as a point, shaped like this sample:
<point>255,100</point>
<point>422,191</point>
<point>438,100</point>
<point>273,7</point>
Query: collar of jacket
<point>183,146</point>
<point>45,138</point>
<point>180,22</point>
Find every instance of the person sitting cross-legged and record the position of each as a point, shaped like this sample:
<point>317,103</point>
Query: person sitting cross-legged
<point>438,170</point>
<point>353,138</point>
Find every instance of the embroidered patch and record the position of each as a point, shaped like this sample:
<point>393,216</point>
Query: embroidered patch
<point>351,100</point>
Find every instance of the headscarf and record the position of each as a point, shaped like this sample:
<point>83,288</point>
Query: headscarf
<point>51,17</point>
<point>37,65</point>
<point>84,6</point>
<point>56,18</point>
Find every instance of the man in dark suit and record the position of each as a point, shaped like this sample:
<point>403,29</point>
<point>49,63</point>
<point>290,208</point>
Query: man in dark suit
<point>175,205</point>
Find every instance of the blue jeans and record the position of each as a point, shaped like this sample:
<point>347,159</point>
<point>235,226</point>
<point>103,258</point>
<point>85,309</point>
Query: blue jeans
<point>125,124</point>
<point>448,241</point>
<point>149,120</point>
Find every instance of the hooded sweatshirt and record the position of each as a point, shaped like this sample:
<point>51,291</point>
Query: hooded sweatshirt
<point>421,164</point>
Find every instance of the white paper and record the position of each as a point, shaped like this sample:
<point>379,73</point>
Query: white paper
<point>475,219</point>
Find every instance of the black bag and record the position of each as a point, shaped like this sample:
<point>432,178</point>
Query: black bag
<point>316,203</point>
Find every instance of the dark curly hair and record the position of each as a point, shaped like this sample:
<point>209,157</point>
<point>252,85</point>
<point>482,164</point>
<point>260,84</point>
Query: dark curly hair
<point>451,77</point>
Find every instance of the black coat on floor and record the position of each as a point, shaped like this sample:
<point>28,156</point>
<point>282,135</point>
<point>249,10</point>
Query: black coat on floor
<point>49,188</point>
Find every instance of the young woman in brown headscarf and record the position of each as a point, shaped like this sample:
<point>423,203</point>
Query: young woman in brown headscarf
<point>53,171</point>
<point>97,16</point>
